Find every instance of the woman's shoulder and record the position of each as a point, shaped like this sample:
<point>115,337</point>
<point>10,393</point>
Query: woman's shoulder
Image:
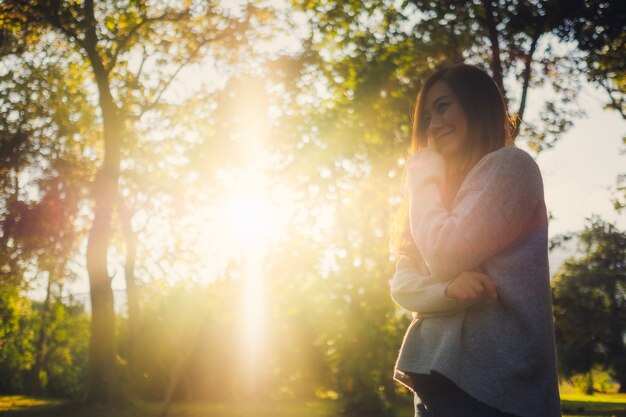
<point>508,161</point>
<point>502,173</point>
<point>511,155</point>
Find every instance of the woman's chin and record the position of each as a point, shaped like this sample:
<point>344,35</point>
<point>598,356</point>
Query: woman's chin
<point>444,146</point>
<point>447,155</point>
<point>450,158</point>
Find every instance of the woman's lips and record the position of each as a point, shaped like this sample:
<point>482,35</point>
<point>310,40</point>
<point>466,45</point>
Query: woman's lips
<point>442,135</point>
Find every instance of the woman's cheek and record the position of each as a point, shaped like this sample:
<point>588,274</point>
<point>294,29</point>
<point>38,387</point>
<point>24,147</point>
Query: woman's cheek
<point>454,115</point>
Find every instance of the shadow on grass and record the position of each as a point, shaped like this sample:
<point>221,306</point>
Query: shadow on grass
<point>575,409</point>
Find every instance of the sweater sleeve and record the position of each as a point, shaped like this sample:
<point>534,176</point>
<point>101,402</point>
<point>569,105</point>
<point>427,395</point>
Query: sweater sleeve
<point>492,209</point>
<point>420,293</point>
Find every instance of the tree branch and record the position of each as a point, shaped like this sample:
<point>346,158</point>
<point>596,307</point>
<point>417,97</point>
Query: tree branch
<point>526,77</point>
<point>123,42</point>
<point>496,65</point>
<point>191,56</point>
<point>619,106</point>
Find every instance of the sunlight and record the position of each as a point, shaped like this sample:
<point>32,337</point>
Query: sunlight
<point>250,224</point>
<point>254,322</point>
<point>250,219</point>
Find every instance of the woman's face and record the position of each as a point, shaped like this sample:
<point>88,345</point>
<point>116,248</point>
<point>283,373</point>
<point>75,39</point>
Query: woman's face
<point>445,121</point>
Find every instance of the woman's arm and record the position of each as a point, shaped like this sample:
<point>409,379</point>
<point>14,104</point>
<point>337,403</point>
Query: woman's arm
<point>493,208</point>
<point>421,293</point>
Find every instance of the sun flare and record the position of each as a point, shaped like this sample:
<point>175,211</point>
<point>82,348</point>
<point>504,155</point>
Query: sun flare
<point>249,220</point>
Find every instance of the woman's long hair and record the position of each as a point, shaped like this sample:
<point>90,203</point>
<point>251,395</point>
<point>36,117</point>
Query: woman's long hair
<point>489,128</point>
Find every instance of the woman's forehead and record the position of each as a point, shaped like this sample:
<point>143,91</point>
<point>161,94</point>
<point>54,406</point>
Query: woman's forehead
<point>436,92</point>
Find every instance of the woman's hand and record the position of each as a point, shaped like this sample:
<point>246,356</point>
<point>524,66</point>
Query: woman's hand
<point>423,165</point>
<point>470,285</point>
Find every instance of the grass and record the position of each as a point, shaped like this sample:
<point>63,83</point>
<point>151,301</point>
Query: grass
<point>598,404</point>
<point>21,402</point>
<point>27,407</point>
<point>573,405</point>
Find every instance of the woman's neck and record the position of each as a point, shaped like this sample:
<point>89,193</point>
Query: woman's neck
<point>455,174</point>
<point>451,187</point>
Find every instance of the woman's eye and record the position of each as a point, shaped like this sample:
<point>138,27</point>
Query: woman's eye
<point>441,106</point>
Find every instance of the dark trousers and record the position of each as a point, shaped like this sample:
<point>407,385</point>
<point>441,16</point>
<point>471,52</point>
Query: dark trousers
<point>448,400</point>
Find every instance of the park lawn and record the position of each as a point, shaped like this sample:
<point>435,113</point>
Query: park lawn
<point>21,402</point>
<point>578,405</point>
<point>598,404</point>
<point>26,407</point>
<point>573,405</point>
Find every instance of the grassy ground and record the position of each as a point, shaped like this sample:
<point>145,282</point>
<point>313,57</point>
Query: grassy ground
<point>594,405</point>
<point>27,407</point>
<point>573,405</point>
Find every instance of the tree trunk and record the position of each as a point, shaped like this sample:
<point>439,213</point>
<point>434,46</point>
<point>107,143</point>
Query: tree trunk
<point>131,291</point>
<point>102,380</point>
<point>103,383</point>
<point>615,344</point>
<point>621,380</point>
<point>33,383</point>
<point>526,77</point>
<point>496,64</point>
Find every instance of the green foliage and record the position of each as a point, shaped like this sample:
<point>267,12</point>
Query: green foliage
<point>601,381</point>
<point>67,330</point>
<point>598,28</point>
<point>589,295</point>
<point>66,350</point>
<point>374,56</point>
<point>16,339</point>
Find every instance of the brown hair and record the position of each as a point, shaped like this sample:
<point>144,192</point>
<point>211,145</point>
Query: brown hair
<point>489,128</point>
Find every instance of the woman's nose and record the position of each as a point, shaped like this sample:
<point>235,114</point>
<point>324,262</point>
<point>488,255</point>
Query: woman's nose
<point>434,127</point>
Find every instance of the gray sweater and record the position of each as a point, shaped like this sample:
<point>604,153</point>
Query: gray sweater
<point>501,352</point>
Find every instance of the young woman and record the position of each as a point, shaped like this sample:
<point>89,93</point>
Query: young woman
<point>471,242</point>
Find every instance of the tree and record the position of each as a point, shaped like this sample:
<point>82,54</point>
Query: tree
<point>599,30</point>
<point>589,296</point>
<point>107,37</point>
<point>374,57</point>
<point>44,177</point>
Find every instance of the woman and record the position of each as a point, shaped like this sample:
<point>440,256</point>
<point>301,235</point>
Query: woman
<point>472,259</point>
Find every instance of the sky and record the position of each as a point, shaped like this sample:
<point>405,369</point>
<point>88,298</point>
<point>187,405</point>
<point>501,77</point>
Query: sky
<point>580,171</point>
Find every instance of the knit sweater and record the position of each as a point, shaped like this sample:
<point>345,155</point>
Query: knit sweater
<point>502,352</point>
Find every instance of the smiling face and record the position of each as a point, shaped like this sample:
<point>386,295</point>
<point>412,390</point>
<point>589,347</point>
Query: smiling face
<point>475,121</point>
<point>445,121</point>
